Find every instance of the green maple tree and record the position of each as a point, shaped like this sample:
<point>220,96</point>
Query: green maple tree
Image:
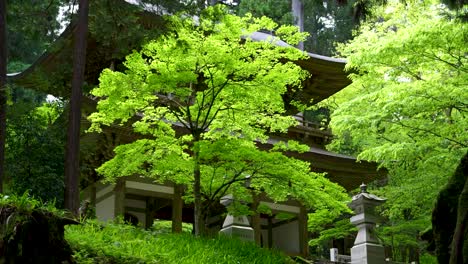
<point>206,95</point>
<point>406,107</point>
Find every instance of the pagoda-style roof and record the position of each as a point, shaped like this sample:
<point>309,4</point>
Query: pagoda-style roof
<point>52,74</point>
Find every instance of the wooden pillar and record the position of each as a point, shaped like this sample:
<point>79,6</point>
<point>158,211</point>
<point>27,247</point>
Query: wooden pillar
<point>119,190</point>
<point>303,232</point>
<point>149,212</point>
<point>177,205</point>
<point>270,231</point>
<point>256,222</point>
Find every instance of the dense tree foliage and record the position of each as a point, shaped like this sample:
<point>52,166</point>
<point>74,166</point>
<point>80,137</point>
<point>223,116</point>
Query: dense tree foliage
<point>32,27</point>
<point>210,81</point>
<point>407,108</point>
<point>278,10</point>
<point>34,156</point>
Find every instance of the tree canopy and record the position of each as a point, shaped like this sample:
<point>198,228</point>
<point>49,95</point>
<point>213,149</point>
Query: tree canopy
<point>407,106</point>
<point>206,96</point>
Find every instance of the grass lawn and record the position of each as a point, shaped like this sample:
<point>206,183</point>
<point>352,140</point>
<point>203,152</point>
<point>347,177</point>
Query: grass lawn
<point>96,242</point>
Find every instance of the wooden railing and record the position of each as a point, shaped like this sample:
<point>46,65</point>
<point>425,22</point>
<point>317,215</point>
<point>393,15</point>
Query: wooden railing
<point>309,126</point>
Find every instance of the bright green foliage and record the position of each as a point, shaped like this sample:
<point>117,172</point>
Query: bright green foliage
<point>95,242</point>
<point>26,204</point>
<point>428,259</point>
<point>401,235</point>
<point>326,225</point>
<point>165,227</point>
<point>222,90</point>
<point>407,105</point>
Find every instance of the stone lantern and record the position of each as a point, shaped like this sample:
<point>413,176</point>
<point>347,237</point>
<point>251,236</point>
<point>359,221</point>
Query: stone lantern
<point>236,226</point>
<point>366,249</point>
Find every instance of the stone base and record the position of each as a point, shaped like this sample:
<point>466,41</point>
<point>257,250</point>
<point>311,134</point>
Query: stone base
<point>368,253</point>
<point>242,232</point>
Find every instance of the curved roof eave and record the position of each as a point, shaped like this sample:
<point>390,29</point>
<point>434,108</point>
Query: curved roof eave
<point>327,74</point>
<point>261,36</point>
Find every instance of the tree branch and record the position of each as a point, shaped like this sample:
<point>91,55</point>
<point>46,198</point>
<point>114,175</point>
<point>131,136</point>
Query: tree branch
<point>429,132</point>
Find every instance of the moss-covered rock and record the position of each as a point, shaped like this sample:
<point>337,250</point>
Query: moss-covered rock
<point>32,236</point>
<point>450,217</point>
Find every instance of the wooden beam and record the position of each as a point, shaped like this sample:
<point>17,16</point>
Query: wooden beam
<point>280,223</point>
<point>270,231</point>
<point>149,193</point>
<point>134,209</point>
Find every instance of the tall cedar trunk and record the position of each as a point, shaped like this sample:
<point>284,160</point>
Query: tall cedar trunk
<point>198,219</point>
<point>3,93</point>
<point>72,171</point>
<point>459,252</point>
<point>297,8</point>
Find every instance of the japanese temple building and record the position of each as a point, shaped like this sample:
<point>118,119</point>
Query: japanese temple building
<point>143,201</point>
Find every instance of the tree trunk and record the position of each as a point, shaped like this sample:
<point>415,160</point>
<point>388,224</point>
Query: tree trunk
<point>72,170</point>
<point>256,221</point>
<point>297,8</point>
<point>177,206</point>
<point>198,219</point>
<point>459,250</point>
<point>3,87</point>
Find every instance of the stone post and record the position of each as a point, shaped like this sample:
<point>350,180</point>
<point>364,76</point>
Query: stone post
<point>236,226</point>
<point>366,249</point>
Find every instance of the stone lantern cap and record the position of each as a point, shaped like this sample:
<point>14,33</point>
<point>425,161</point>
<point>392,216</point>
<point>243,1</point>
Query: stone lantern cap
<point>227,200</point>
<point>366,196</point>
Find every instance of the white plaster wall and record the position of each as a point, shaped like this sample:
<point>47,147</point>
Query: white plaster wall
<point>105,208</point>
<point>135,203</point>
<point>286,237</point>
